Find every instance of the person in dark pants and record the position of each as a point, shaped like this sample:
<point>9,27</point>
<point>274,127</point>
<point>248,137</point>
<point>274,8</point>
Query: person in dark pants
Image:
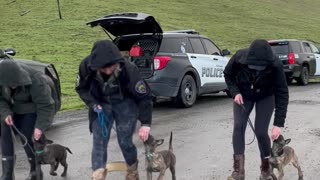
<point>113,90</point>
<point>26,102</point>
<point>255,77</point>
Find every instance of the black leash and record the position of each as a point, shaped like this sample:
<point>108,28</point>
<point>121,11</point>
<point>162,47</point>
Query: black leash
<point>12,128</point>
<point>250,124</point>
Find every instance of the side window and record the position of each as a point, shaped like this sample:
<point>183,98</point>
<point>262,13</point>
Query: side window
<point>174,45</point>
<point>197,46</point>
<point>211,48</point>
<point>314,49</point>
<point>307,47</point>
<point>295,47</point>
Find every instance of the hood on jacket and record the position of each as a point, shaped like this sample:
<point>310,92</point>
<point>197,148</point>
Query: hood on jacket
<point>258,54</point>
<point>103,54</point>
<point>12,74</point>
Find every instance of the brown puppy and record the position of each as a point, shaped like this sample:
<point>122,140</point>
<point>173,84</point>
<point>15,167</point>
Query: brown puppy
<point>159,161</point>
<point>53,154</point>
<point>283,155</point>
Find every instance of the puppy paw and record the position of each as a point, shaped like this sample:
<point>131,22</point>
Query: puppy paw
<point>64,174</point>
<point>53,174</point>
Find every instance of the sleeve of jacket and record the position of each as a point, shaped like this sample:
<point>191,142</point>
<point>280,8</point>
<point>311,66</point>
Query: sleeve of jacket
<point>230,75</point>
<point>281,95</point>
<point>5,109</point>
<point>41,96</point>
<point>83,85</point>
<point>141,93</point>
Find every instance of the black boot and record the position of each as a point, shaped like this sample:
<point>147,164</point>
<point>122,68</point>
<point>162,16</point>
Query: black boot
<point>33,172</point>
<point>7,168</point>
<point>266,170</point>
<point>238,168</point>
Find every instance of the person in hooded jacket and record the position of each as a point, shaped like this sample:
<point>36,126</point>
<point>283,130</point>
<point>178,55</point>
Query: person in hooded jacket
<point>26,102</point>
<point>110,85</point>
<point>255,77</point>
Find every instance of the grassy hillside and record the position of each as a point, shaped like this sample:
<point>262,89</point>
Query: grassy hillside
<point>42,36</point>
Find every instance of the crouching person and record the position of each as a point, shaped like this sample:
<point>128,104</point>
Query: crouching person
<point>26,102</point>
<point>114,92</point>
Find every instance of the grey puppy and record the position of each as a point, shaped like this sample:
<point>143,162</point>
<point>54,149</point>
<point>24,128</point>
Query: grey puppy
<point>159,161</point>
<point>283,155</point>
<point>53,154</point>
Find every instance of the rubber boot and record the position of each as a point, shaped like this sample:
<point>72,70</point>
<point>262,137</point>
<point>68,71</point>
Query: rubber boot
<point>238,168</point>
<point>7,168</point>
<point>99,174</point>
<point>33,173</point>
<point>132,172</point>
<point>266,171</point>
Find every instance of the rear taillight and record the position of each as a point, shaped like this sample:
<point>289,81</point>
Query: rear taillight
<point>136,51</point>
<point>161,62</point>
<point>291,58</point>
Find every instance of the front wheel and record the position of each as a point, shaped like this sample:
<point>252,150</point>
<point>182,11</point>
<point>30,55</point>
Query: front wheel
<point>187,93</point>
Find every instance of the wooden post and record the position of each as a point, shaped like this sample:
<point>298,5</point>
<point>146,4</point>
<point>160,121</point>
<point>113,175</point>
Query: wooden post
<point>58,2</point>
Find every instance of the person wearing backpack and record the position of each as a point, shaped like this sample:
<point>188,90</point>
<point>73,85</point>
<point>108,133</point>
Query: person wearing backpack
<point>26,103</point>
<point>114,92</point>
<point>255,77</point>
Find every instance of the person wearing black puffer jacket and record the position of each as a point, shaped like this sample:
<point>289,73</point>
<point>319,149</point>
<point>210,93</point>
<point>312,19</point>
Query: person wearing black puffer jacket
<point>255,77</point>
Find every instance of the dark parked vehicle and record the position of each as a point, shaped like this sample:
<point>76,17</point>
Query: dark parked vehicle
<point>48,69</point>
<point>301,59</point>
<point>177,64</point>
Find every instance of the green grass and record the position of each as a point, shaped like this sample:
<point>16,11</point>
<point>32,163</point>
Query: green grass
<point>42,36</point>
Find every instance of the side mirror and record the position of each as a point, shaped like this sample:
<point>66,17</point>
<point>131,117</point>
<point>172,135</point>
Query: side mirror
<point>10,51</point>
<point>225,52</point>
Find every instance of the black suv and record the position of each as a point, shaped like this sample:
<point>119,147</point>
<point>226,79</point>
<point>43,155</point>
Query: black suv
<point>178,64</point>
<point>300,59</point>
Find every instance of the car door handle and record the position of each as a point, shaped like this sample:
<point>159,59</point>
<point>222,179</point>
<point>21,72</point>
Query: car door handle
<point>215,59</point>
<point>193,56</point>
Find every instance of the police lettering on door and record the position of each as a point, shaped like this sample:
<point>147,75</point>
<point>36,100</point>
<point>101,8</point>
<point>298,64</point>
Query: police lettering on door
<point>212,72</point>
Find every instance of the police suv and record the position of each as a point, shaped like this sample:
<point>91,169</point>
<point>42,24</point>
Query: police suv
<point>177,64</point>
<point>300,59</point>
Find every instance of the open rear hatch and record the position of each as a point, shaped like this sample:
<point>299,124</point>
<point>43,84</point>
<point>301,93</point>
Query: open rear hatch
<point>138,34</point>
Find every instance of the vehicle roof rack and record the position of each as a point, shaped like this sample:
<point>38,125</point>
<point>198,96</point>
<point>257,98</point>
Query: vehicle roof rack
<point>188,31</point>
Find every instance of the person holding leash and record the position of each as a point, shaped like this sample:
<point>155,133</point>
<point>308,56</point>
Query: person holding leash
<point>25,103</point>
<point>113,90</point>
<point>255,77</point>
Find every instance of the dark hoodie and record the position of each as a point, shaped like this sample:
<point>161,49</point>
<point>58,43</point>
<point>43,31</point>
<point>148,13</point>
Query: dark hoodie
<point>105,53</point>
<point>257,73</point>
<point>30,95</point>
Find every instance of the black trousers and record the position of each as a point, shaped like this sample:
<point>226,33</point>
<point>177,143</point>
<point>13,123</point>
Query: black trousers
<point>25,124</point>
<point>264,109</point>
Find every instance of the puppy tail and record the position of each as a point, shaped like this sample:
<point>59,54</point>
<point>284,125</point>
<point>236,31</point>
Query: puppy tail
<point>68,150</point>
<point>170,143</point>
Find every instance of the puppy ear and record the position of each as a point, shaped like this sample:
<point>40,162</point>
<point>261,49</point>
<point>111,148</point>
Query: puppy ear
<point>287,141</point>
<point>159,141</point>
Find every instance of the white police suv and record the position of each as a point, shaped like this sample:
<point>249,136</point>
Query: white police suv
<point>177,64</point>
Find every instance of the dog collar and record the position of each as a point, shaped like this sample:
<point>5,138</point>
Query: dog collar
<point>39,152</point>
<point>150,156</point>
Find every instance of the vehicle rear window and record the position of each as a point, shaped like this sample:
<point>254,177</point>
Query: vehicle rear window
<point>174,45</point>
<point>280,47</point>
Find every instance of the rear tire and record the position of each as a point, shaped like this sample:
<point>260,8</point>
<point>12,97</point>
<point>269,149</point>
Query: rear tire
<point>304,76</point>
<point>187,92</point>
